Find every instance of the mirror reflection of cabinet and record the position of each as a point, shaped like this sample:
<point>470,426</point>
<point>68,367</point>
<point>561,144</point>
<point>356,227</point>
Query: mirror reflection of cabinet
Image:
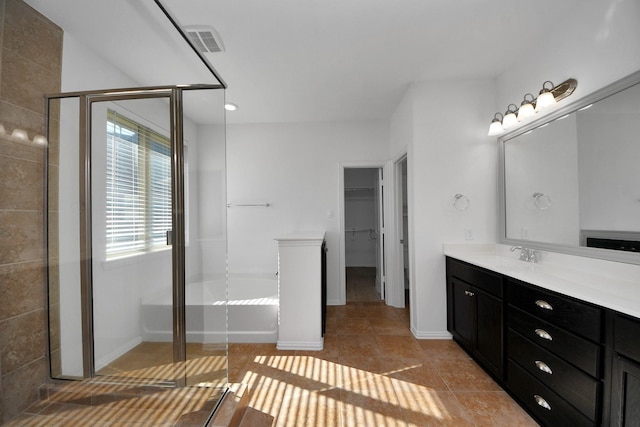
<point>584,163</point>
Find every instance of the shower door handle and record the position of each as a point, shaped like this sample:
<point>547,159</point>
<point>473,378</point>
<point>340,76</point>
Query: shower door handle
<point>169,237</point>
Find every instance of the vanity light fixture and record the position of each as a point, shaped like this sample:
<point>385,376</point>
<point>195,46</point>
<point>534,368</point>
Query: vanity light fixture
<point>549,96</point>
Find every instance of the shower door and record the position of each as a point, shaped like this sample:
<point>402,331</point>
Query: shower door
<point>124,189</point>
<point>131,228</point>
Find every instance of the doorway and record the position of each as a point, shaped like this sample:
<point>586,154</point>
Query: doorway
<point>364,234</point>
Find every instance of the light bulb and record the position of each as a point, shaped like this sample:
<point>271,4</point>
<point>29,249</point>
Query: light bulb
<point>510,120</point>
<point>545,100</point>
<point>495,128</point>
<point>496,125</point>
<point>526,110</point>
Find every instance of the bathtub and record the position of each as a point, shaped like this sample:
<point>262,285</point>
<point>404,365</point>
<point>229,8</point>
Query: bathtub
<point>252,312</point>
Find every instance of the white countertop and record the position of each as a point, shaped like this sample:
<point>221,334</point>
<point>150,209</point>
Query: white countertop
<point>605,283</point>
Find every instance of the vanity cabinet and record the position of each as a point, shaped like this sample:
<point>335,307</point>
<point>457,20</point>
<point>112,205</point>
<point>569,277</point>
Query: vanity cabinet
<point>625,392</point>
<point>554,355</point>
<point>566,361</point>
<point>475,313</point>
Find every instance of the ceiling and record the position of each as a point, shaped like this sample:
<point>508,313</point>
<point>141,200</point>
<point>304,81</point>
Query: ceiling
<point>311,60</point>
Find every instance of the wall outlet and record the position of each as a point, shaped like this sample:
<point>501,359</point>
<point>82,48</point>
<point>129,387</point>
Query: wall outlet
<point>468,234</point>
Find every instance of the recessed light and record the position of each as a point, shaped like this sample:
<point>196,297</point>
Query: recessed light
<point>230,107</point>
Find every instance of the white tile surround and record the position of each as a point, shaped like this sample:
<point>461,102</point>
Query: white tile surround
<point>609,284</point>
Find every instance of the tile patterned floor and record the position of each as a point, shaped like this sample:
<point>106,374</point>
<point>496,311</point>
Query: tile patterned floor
<point>371,372</point>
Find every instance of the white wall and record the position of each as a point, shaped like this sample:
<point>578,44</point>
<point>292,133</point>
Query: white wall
<point>449,153</point>
<point>597,45</point>
<point>295,168</point>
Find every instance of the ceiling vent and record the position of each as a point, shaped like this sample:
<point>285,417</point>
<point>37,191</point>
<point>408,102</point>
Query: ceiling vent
<point>205,38</point>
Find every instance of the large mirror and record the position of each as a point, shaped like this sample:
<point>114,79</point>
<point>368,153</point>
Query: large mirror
<point>571,181</point>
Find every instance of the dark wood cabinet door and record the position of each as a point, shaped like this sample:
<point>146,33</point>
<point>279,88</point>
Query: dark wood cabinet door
<point>625,401</point>
<point>463,311</point>
<point>489,333</point>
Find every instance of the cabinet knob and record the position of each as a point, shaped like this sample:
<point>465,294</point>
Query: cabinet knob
<point>544,305</point>
<point>541,402</point>
<point>544,334</point>
<point>469,293</point>
<point>543,367</point>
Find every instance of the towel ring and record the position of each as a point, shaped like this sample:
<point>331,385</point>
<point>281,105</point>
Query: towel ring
<point>461,202</point>
<point>541,201</point>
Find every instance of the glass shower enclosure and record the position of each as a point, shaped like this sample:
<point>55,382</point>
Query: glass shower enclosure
<point>136,230</point>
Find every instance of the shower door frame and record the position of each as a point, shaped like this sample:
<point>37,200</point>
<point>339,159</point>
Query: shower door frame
<point>86,98</point>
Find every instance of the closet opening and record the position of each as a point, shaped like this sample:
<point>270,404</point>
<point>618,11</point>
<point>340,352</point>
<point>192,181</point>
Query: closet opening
<point>364,234</point>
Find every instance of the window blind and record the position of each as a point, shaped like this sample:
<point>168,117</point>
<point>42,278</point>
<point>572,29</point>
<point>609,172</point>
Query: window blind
<point>138,202</point>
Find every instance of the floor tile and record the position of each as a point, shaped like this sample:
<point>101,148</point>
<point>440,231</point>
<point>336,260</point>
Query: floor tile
<point>371,372</point>
<point>494,409</point>
<point>398,346</point>
<point>354,326</point>
<point>428,407</point>
<point>442,349</point>
<point>465,375</point>
<point>362,345</point>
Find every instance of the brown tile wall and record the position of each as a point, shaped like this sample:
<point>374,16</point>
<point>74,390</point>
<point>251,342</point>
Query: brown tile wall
<point>30,66</point>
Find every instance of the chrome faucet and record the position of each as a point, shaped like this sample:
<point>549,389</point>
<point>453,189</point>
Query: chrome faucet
<point>527,254</point>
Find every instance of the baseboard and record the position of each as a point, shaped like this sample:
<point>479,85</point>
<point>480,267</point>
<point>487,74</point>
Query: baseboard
<point>301,345</point>
<point>334,302</point>
<point>444,335</point>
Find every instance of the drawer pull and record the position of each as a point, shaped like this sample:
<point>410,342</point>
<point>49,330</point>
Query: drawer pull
<point>544,334</point>
<point>541,402</point>
<point>544,305</point>
<point>468,293</point>
<point>543,367</point>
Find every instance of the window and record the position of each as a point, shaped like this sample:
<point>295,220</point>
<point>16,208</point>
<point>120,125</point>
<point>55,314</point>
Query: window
<point>138,187</point>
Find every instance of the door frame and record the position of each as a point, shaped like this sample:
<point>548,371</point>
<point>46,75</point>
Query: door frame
<point>391,285</point>
<point>398,231</point>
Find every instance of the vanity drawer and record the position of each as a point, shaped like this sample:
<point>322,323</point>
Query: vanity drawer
<point>482,279</point>
<point>568,313</point>
<point>576,387</point>
<point>582,353</point>
<point>544,404</point>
